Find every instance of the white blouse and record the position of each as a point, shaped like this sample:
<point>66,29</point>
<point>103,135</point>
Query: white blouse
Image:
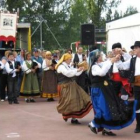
<point>44,65</point>
<point>26,69</point>
<point>2,65</point>
<point>68,70</point>
<point>101,69</point>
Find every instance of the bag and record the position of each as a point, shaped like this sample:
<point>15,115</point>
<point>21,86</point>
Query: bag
<point>124,73</point>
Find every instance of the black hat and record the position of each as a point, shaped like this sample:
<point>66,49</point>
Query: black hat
<point>137,44</point>
<point>116,45</point>
<point>132,47</point>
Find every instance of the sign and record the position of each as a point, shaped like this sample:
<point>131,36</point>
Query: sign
<point>8,25</point>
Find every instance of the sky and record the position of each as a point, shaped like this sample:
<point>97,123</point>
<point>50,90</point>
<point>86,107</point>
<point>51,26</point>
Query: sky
<point>126,3</point>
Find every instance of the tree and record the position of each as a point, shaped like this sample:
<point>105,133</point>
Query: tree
<point>109,15</point>
<point>116,15</point>
<point>50,10</point>
<point>130,11</point>
<point>96,9</point>
<point>78,15</point>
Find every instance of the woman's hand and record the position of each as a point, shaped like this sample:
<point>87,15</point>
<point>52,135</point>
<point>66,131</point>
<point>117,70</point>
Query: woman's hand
<point>80,69</point>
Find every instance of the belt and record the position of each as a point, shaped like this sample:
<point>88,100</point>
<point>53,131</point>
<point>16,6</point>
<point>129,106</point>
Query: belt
<point>137,81</point>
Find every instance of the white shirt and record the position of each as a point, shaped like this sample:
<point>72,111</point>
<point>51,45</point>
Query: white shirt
<point>101,69</point>
<point>26,69</point>
<point>126,57</point>
<point>126,65</point>
<point>2,65</point>
<point>115,68</point>
<point>80,56</point>
<point>9,70</point>
<point>67,70</point>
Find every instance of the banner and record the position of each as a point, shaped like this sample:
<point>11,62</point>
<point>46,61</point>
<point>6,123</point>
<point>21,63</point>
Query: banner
<point>8,26</point>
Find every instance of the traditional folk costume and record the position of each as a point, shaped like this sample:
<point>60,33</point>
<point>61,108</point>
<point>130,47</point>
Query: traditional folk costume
<point>120,77</point>
<point>74,102</point>
<point>49,83</point>
<point>12,79</point>
<point>111,112</point>
<point>81,79</point>
<point>29,86</point>
<point>134,79</point>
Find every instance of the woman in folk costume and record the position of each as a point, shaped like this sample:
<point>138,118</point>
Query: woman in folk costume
<point>30,87</point>
<point>111,112</point>
<point>49,83</point>
<point>74,102</point>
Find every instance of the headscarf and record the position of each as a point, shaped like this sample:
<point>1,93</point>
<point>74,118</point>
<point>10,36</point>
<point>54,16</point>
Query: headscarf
<point>65,57</point>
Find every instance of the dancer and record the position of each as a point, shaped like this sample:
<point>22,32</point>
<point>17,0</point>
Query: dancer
<point>74,102</point>
<point>134,78</point>
<point>111,112</point>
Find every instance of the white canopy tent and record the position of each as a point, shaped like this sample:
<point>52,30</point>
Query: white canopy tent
<point>125,30</point>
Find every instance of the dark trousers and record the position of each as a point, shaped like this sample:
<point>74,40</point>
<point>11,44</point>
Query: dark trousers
<point>4,84</point>
<point>39,77</point>
<point>136,91</point>
<point>12,88</point>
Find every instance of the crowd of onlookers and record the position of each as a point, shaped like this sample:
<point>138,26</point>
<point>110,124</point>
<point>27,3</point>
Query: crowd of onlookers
<point>19,58</point>
<point>37,56</point>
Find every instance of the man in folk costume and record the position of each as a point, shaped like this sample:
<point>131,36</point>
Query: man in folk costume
<point>134,78</point>
<point>120,78</point>
<point>74,102</point>
<point>30,86</point>
<point>12,79</point>
<point>78,58</point>
<point>49,83</point>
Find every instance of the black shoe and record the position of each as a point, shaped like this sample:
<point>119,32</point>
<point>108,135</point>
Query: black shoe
<point>49,100</point>
<point>93,129</point>
<point>137,130</point>
<point>10,102</point>
<point>16,102</point>
<point>32,100</point>
<point>27,100</point>
<point>52,99</point>
<point>104,132</point>
<point>75,121</point>
<point>65,120</point>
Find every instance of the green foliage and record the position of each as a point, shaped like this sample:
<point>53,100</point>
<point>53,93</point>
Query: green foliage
<point>98,7</point>
<point>130,11</point>
<point>64,18</point>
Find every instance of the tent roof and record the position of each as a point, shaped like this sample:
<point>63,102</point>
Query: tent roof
<point>129,21</point>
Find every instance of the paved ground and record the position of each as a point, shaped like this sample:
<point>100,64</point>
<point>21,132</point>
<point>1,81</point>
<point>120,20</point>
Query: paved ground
<point>40,121</point>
